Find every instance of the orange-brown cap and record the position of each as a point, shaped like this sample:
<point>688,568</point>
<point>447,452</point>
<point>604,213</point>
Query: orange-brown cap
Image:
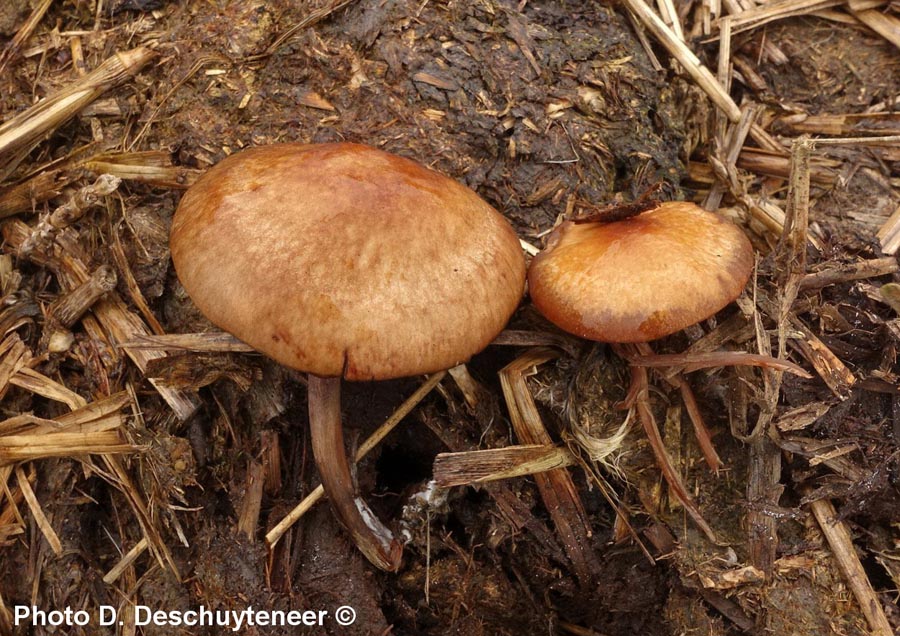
<point>641,278</point>
<point>340,259</point>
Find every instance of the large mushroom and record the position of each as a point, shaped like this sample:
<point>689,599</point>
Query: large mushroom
<point>345,261</point>
<point>640,278</point>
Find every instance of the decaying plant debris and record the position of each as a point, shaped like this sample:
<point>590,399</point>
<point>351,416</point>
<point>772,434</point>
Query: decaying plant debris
<point>144,463</point>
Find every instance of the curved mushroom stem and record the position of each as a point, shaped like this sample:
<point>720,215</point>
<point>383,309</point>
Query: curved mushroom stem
<point>371,536</point>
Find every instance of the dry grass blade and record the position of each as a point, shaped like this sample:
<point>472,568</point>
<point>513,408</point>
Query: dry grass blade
<point>371,442</point>
<point>15,356</point>
<point>471,390</point>
<point>119,478</point>
<point>97,409</point>
<point>24,32</point>
<point>37,512</point>
<point>90,428</point>
<point>21,448</point>
<point>31,380</point>
<point>139,548</point>
<point>480,466</point>
<point>6,617</point>
<point>679,50</point>
<point>838,536</point>
<point>314,17</point>
<point>863,125</point>
<point>199,342</point>
<point>134,290</point>
<point>95,415</point>
<point>822,171</point>
<point>701,431</point>
<point>802,416</point>
<point>28,127</point>
<point>669,15</point>
<point>724,167</point>
<point>556,487</point>
<point>518,338</point>
<point>152,166</point>
<point>248,518</point>
<point>765,13</point>
<point>889,233</point>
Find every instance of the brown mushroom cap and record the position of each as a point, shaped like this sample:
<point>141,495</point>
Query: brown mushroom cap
<point>341,259</point>
<point>641,278</point>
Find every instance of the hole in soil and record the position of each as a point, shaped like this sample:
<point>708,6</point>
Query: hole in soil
<point>878,576</point>
<point>398,469</point>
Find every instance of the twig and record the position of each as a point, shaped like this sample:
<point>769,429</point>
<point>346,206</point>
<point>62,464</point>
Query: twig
<point>854,271</point>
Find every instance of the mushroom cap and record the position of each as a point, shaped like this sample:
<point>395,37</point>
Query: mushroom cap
<point>640,278</point>
<point>344,260</point>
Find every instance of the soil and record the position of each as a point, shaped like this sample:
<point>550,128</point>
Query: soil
<point>542,108</point>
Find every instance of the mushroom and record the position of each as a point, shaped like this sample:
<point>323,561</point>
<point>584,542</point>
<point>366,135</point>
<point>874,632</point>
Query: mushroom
<point>345,261</point>
<point>640,278</point>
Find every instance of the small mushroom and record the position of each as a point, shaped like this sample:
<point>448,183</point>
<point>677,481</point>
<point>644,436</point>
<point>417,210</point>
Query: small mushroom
<point>640,278</point>
<point>346,262</point>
